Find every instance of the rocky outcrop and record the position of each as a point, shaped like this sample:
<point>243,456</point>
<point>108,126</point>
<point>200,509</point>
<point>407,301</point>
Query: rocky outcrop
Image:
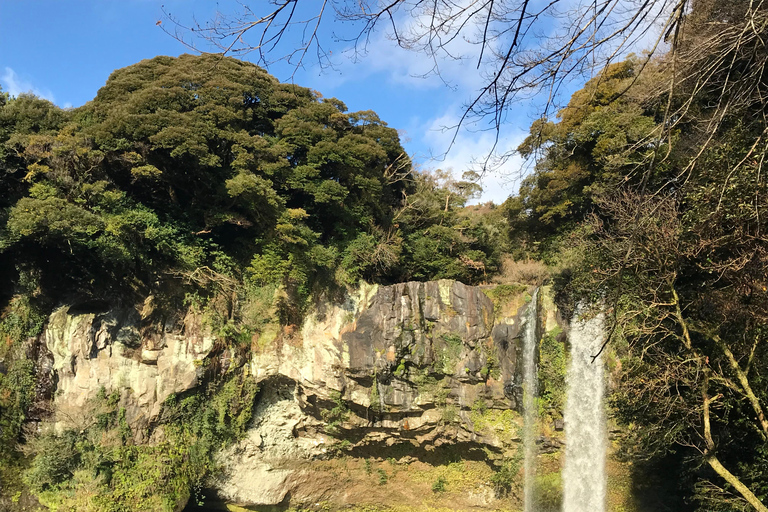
<point>421,364</point>
<point>93,347</point>
<point>413,366</point>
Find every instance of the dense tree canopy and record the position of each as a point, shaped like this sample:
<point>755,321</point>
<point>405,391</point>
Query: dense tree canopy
<point>191,162</point>
<point>600,141</point>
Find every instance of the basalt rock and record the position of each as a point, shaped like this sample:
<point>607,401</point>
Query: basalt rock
<point>422,365</point>
<point>414,365</point>
<point>87,349</point>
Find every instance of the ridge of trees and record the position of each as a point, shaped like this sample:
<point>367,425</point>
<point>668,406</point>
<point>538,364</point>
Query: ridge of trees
<point>191,162</point>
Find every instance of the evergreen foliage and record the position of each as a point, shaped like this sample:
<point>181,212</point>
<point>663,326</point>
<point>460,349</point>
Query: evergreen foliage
<point>203,182</point>
<point>191,162</point>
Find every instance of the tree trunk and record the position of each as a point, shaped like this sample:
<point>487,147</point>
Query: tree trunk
<point>712,459</point>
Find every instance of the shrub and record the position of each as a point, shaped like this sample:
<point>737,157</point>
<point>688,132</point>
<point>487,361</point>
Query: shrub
<point>99,469</point>
<point>528,271</point>
<point>439,485</point>
<point>505,479</point>
<point>552,370</point>
<point>335,416</point>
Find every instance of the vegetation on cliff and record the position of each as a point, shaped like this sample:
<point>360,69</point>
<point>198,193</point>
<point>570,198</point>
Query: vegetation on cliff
<point>191,162</point>
<point>205,180</point>
<point>654,174</point>
<point>199,182</point>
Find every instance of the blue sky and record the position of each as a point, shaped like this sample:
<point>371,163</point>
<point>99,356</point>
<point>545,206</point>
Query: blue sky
<point>64,50</point>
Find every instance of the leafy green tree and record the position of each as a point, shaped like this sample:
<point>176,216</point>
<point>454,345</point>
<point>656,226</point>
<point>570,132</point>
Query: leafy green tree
<point>676,252</point>
<point>602,140</point>
<point>442,237</point>
<point>178,160</point>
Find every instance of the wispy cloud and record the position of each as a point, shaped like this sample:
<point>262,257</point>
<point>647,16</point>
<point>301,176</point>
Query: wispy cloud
<point>14,85</point>
<point>455,68</point>
<point>452,65</point>
<point>469,150</point>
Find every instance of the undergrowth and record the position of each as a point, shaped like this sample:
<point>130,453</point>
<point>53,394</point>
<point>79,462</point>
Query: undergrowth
<point>101,469</point>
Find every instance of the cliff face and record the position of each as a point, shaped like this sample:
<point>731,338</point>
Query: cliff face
<point>91,347</point>
<point>407,369</point>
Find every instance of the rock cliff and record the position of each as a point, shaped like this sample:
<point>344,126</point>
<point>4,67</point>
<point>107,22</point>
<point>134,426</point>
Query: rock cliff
<point>407,369</point>
<point>90,347</point>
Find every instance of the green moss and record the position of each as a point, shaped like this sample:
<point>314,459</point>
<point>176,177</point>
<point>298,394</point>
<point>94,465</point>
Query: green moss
<point>491,368</point>
<point>450,353</point>
<point>502,423</point>
<point>431,389</point>
<point>100,469</point>
<point>479,406</point>
<point>503,295</point>
<point>450,414</point>
<point>458,475</point>
<point>553,363</point>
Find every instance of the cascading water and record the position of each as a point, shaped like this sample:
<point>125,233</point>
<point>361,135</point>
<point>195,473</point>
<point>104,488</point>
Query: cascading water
<point>530,390</point>
<point>584,483</point>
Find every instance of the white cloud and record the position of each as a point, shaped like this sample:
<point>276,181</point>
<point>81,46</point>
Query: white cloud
<point>14,85</point>
<point>453,66</point>
<point>470,150</point>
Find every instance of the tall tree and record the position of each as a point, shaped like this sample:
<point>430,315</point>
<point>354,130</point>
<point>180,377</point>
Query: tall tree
<point>673,244</point>
<point>518,63</point>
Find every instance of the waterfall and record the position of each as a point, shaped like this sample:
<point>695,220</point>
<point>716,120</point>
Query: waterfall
<point>584,482</point>
<point>530,409</point>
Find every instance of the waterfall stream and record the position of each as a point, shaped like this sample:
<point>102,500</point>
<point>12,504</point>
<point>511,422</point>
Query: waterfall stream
<point>530,389</point>
<point>584,483</point>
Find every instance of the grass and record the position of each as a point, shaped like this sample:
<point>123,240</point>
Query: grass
<point>504,423</point>
<point>506,298</point>
<point>451,352</point>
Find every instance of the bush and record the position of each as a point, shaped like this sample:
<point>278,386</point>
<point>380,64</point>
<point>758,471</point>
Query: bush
<point>439,485</point>
<point>57,458</point>
<point>548,492</point>
<point>528,271</point>
<point>99,469</point>
<point>382,476</point>
<point>335,416</point>
<point>505,479</point>
<point>552,369</point>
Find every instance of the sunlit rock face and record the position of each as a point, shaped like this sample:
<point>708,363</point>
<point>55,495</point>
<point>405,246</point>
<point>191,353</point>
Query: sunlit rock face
<point>94,348</point>
<point>400,365</point>
<point>413,367</point>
